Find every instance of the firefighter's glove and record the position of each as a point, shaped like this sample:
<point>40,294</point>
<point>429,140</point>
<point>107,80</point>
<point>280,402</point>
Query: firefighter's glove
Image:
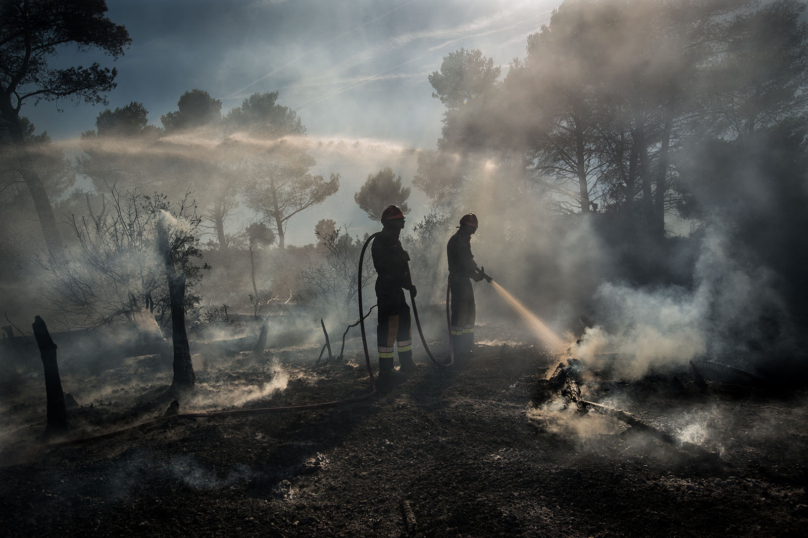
<point>413,290</point>
<point>481,275</point>
<point>478,276</point>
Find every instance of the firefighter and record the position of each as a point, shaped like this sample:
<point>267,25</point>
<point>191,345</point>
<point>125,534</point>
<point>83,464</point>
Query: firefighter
<point>391,263</point>
<point>462,270</point>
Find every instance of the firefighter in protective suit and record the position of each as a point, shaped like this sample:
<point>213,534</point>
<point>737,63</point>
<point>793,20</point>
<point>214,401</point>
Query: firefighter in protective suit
<point>462,270</point>
<point>391,263</point>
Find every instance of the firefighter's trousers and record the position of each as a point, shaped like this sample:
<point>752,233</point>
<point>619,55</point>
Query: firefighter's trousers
<point>464,314</point>
<point>394,329</point>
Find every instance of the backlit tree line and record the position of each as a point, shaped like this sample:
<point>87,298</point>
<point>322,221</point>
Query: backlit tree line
<point>638,110</point>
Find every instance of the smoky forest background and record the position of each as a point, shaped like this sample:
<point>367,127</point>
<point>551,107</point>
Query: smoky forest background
<point>641,166</point>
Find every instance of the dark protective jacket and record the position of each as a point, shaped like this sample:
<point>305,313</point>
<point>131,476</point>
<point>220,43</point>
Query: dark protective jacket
<point>461,260</point>
<point>391,263</point>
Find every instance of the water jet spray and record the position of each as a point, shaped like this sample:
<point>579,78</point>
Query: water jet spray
<point>536,325</point>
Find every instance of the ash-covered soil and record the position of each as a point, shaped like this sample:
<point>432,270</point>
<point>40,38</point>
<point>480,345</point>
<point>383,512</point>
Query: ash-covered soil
<point>462,446</point>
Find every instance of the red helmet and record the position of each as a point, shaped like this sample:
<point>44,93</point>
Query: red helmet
<point>470,219</point>
<point>391,213</point>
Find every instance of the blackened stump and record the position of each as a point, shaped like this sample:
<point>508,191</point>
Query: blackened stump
<point>57,410</point>
<point>261,344</point>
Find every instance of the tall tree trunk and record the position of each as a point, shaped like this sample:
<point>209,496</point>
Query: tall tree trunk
<point>658,229</point>
<point>580,157</point>
<point>42,203</point>
<point>645,177</point>
<point>631,181</point>
<point>184,377</point>
<point>277,214</point>
<point>57,410</point>
<point>256,304</point>
<point>218,222</point>
<point>279,225</point>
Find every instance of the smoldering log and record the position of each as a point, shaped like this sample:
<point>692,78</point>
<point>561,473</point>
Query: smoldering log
<point>639,425</point>
<point>565,381</point>
<point>57,409</point>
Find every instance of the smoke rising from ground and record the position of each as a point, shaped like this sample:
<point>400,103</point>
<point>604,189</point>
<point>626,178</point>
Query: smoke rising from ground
<point>217,397</point>
<point>663,328</point>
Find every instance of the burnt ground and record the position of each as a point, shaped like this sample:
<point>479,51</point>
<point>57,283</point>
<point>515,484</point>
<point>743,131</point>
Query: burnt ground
<point>462,446</point>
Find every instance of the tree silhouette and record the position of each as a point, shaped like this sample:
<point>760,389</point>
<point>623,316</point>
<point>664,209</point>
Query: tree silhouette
<point>259,235</point>
<point>131,120</point>
<point>110,168</point>
<point>380,191</point>
<point>325,230</point>
<point>281,187</point>
<point>464,84</point>
<point>30,33</point>
<point>196,108</point>
<point>261,115</point>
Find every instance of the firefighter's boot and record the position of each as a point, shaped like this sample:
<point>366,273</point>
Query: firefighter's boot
<point>408,366</point>
<point>468,345</point>
<point>458,343</point>
<point>388,378</point>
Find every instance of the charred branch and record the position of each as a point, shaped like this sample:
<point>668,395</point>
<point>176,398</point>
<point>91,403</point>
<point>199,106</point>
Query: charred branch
<point>345,334</point>
<point>632,421</point>
<point>327,341</point>
<point>11,333</point>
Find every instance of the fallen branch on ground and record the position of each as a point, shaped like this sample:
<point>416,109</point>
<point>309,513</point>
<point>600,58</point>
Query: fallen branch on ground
<point>639,425</point>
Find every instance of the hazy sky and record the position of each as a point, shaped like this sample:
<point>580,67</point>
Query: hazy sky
<point>351,68</point>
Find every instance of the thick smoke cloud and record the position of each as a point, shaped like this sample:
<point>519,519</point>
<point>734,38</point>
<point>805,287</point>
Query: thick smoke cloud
<point>663,328</point>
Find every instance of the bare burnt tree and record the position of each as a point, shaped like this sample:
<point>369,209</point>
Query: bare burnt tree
<point>114,273</point>
<point>184,377</point>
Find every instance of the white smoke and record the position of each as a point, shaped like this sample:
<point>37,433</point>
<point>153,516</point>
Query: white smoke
<point>560,418</point>
<point>664,328</point>
<point>209,396</point>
